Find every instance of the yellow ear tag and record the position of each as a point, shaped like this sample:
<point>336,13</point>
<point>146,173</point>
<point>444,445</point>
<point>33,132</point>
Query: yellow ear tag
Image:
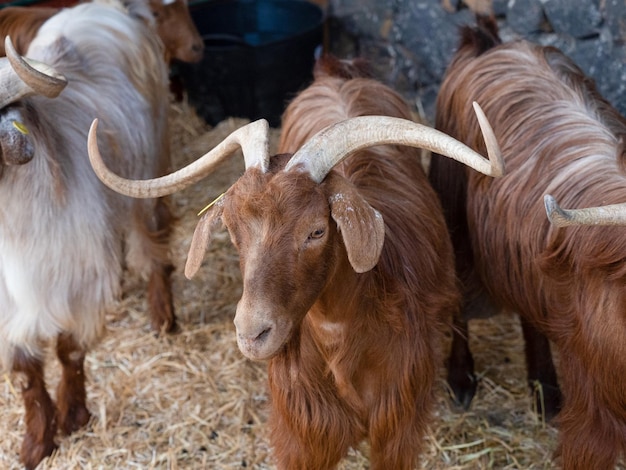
<point>20,127</point>
<point>211,204</point>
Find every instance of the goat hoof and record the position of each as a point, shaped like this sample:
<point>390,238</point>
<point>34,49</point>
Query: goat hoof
<point>463,389</point>
<point>74,418</point>
<point>169,326</point>
<point>34,451</point>
<point>548,400</point>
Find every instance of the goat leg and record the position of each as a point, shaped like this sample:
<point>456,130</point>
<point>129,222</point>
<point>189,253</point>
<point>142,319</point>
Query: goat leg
<point>461,378</point>
<point>71,395</point>
<point>39,410</point>
<point>541,373</point>
<point>160,301</point>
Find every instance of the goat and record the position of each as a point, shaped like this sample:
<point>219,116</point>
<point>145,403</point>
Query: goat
<point>176,28</point>
<point>350,325</point>
<point>62,231</point>
<point>558,136</point>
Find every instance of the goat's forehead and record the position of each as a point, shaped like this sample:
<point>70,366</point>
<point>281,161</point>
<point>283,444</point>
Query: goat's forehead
<point>277,196</point>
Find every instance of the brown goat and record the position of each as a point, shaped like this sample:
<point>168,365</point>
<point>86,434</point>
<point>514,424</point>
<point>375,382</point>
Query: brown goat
<point>174,25</point>
<point>347,273</point>
<point>558,136</point>
<point>369,349</point>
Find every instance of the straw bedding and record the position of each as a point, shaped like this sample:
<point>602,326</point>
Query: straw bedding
<point>192,401</point>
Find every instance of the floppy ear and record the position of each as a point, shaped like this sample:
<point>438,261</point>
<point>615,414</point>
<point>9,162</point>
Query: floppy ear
<point>361,226</point>
<point>207,224</point>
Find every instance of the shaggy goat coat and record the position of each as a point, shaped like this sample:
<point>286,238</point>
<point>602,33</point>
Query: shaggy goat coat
<point>61,230</point>
<point>364,361</point>
<point>558,136</point>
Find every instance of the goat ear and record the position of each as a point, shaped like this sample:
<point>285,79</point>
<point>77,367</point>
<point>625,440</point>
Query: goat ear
<point>207,224</point>
<point>361,226</point>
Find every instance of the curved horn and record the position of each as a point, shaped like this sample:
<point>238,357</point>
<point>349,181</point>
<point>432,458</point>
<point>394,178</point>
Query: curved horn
<point>253,139</point>
<point>333,144</point>
<point>614,214</point>
<point>20,77</point>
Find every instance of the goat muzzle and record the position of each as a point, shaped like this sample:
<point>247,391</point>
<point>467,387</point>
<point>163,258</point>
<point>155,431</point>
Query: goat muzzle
<point>16,146</point>
<point>260,335</point>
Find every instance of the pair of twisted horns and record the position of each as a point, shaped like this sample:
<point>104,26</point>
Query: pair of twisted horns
<point>317,157</point>
<point>614,214</point>
<point>21,77</point>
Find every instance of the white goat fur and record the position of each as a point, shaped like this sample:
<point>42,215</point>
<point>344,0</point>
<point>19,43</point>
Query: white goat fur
<point>60,229</point>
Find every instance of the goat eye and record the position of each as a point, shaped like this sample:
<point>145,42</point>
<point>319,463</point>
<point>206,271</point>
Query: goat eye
<point>316,234</point>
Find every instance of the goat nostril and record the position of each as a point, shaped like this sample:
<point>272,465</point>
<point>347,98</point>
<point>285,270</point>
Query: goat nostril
<point>263,335</point>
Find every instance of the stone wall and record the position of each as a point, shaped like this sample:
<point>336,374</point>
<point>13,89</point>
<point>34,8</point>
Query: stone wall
<point>410,42</point>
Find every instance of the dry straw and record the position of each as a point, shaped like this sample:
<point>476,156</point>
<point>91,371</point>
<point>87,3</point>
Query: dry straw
<point>192,401</point>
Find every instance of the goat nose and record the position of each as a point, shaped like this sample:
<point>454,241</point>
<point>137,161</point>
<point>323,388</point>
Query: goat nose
<point>195,53</point>
<point>256,336</point>
<point>262,336</point>
<point>256,346</point>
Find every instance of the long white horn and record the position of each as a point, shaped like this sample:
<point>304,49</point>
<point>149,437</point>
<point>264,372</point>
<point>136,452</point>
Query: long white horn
<point>20,77</point>
<point>253,139</point>
<point>614,214</point>
<point>332,145</point>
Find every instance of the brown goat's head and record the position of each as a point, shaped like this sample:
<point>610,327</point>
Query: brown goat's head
<point>284,226</point>
<point>285,219</point>
<point>177,30</point>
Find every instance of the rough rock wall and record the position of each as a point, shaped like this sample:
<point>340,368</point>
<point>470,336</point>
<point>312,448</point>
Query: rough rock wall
<point>410,42</point>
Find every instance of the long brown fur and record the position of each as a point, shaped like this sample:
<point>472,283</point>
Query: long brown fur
<point>557,136</point>
<point>376,380</point>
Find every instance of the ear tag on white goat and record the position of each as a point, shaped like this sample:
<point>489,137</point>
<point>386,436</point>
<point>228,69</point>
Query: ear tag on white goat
<point>20,127</point>
<point>211,204</point>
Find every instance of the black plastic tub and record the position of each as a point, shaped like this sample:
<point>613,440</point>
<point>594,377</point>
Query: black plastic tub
<point>258,54</point>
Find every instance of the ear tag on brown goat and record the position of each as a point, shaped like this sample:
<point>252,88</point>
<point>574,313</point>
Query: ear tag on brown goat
<point>20,127</point>
<point>211,204</point>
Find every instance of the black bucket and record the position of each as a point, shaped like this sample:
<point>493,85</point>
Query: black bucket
<point>258,54</point>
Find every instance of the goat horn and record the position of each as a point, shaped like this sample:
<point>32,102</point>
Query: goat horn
<point>253,139</point>
<point>614,214</point>
<point>22,77</point>
<point>330,146</point>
